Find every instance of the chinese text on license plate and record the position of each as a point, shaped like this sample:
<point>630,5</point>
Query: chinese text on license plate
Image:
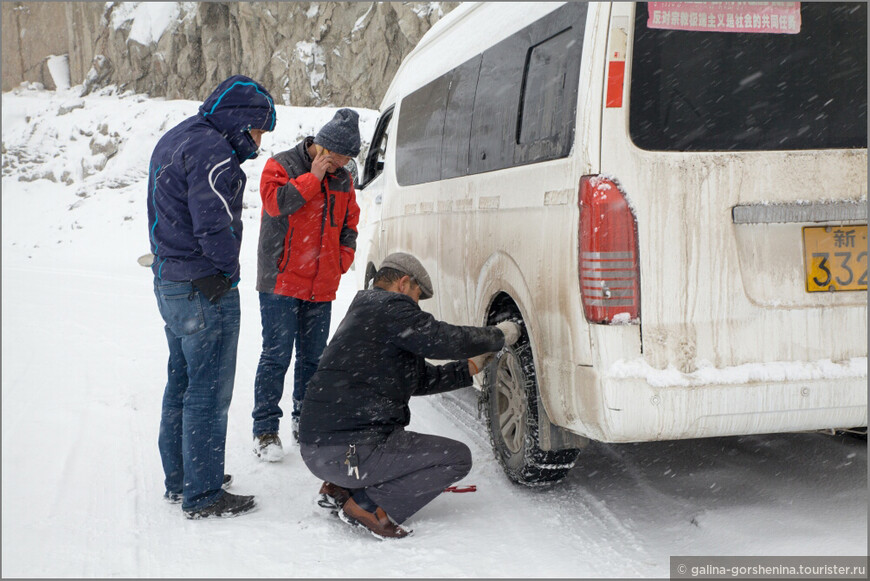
<point>835,258</point>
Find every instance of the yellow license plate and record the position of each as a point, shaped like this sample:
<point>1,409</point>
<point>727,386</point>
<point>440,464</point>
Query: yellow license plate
<point>835,258</point>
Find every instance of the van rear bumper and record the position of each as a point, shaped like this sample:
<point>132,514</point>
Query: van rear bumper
<point>632,410</point>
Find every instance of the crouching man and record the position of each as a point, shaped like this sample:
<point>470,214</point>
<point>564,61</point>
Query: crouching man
<point>352,424</point>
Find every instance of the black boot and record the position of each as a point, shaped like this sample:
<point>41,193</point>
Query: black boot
<point>228,505</point>
<point>177,497</point>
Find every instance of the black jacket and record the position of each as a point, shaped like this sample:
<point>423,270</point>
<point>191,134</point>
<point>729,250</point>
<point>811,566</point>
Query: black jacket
<point>376,361</point>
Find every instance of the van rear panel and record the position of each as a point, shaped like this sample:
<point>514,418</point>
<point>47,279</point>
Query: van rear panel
<point>744,158</point>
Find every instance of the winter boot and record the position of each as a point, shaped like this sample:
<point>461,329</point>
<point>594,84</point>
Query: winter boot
<point>177,497</point>
<point>227,506</point>
<point>332,497</point>
<point>268,447</point>
<point>378,523</point>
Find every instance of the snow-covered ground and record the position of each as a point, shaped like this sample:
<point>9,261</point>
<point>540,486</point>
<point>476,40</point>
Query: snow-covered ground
<point>83,368</point>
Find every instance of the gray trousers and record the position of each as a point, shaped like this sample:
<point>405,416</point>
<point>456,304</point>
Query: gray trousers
<point>402,474</point>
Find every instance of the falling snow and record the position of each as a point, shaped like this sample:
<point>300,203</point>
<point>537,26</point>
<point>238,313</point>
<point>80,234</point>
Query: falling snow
<point>84,366</point>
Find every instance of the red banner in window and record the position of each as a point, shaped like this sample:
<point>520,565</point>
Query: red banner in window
<point>764,17</point>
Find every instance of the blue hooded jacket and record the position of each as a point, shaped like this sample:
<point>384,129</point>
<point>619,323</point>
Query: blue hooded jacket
<point>195,183</point>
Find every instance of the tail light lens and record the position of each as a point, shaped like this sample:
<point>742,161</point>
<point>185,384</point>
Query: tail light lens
<point>608,258</point>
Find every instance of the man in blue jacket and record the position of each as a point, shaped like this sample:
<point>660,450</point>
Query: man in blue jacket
<point>195,187</point>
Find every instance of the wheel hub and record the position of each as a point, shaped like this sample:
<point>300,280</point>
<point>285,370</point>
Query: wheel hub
<point>510,393</point>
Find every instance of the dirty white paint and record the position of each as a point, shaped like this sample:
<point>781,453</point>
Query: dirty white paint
<point>729,342</point>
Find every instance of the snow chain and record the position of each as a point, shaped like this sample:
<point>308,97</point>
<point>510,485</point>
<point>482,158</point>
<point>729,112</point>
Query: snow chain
<point>484,395</point>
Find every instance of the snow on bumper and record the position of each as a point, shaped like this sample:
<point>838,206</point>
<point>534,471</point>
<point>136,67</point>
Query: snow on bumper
<point>639,403</point>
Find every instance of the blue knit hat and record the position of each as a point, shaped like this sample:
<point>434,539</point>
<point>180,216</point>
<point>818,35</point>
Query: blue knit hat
<point>341,134</point>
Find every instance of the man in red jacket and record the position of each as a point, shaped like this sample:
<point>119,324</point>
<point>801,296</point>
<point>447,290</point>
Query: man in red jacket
<point>308,236</point>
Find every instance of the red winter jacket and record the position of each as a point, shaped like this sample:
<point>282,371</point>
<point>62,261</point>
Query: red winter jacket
<point>307,229</point>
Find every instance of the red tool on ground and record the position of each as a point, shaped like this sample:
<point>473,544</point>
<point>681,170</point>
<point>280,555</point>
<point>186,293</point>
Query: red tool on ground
<point>469,488</point>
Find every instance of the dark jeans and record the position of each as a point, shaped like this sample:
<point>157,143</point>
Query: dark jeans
<point>402,474</point>
<point>286,321</point>
<point>202,338</point>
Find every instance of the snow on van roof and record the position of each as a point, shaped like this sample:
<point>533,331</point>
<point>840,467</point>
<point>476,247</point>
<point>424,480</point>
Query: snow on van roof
<point>467,30</point>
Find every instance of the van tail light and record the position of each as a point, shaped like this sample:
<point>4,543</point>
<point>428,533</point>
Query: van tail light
<point>608,257</point>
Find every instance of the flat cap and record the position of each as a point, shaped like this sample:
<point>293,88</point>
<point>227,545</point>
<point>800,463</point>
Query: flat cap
<point>408,264</point>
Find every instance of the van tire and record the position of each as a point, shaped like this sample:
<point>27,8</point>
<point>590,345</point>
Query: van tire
<point>511,394</point>
<point>371,271</point>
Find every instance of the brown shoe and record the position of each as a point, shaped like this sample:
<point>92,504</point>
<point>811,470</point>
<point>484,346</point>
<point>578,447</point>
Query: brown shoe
<point>268,447</point>
<point>332,496</point>
<point>377,523</point>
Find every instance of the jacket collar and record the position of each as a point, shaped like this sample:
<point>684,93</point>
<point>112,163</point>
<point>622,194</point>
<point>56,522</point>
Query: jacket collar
<point>302,151</point>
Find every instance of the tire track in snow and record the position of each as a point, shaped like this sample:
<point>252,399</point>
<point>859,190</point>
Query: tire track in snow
<point>607,532</point>
<point>144,496</point>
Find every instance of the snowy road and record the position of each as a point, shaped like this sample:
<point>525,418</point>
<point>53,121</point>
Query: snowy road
<point>84,356</point>
<point>82,378</point>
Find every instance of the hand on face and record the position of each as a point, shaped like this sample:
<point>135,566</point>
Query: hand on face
<point>327,162</point>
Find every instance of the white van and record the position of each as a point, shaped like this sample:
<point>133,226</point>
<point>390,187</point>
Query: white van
<point>671,197</point>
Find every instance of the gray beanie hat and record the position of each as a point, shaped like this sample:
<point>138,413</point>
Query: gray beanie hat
<point>341,134</point>
<point>407,264</point>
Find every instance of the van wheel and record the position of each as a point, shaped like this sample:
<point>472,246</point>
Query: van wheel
<point>510,390</point>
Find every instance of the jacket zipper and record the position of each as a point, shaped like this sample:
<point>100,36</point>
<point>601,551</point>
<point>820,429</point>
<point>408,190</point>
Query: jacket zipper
<point>322,229</point>
<point>286,252</point>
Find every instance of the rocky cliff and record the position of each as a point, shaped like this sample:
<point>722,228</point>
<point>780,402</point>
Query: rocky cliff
<point>305,53</point>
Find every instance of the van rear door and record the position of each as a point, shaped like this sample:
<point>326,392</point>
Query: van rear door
<point>740,139</point>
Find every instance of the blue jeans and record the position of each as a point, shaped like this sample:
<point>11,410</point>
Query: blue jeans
<point>287,320</point>
<point>203,338</point>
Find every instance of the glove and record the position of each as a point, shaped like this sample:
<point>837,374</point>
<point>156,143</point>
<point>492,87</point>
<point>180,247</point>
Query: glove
<point>213,287</point>
<point>511,332</point>
<point>477,363</point>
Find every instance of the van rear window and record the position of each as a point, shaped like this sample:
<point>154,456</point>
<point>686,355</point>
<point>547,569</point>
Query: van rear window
<point>732,91</point>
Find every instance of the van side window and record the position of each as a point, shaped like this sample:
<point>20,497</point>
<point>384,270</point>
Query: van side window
<point>374,162</point>
<point>527,94</point>
<point>457,123</point>
<point>543,87</point>
<point>495,105</point>
<point>420,130</point>
<point>549,99</point>
<point>515,103</point>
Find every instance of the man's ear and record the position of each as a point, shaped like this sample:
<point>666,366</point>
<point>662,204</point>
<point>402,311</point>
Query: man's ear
<point>404,284</point>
